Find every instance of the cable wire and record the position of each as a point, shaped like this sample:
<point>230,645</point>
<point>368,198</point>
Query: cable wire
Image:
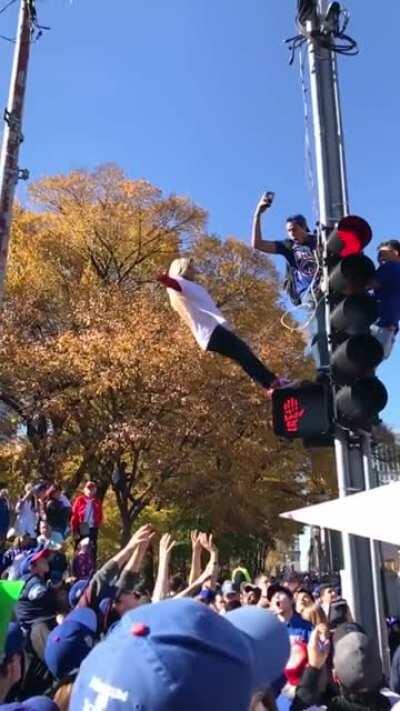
<point>332,36</point>
<point>308,153</point>
<point>6,6</point>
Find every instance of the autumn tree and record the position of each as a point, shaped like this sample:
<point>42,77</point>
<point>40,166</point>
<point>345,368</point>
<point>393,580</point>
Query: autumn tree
<point>103,381</point>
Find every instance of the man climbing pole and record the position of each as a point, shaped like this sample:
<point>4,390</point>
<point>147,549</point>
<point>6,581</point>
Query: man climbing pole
<point>209,326</point>
<point>301,279</point>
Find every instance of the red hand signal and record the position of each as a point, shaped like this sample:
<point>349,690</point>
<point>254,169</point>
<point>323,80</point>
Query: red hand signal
<point>292,414</point>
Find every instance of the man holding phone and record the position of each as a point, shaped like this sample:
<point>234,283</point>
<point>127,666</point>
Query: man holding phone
<point>299,251</point>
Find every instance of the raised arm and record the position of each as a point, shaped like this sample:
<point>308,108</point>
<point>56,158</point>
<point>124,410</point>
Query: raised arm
<point>195,568</point>
<point>161,588</point>
<point>131,572</point>
<point>168,282</point>
<point>112,568</point>
<point>257,240</point>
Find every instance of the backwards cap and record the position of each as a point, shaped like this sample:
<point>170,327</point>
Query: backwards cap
<point>162,655</point>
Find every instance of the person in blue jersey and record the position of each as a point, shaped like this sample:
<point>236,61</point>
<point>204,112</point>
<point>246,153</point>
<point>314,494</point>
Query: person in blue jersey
<point>282,605</point>
<point>300,252</point>
<point>298,249</point>
<point>387,291</point>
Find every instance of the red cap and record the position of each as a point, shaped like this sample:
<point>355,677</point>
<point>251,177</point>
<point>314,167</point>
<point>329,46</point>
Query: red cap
<point>44,553</point>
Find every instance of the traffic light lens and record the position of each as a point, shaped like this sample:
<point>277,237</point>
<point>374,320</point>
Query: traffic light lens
<point>355,234</point>
<point>355,314</point>
<point>352,274</point>
<point>359,404</point>
<point>355,357</point>
<point>351,236</point>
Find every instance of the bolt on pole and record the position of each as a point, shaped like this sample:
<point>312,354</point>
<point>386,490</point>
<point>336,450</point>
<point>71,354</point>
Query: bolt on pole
<point>12,136</point>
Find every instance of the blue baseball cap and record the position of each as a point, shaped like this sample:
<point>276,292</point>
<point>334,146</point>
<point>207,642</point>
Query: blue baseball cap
<point>269,639</point>
<point>71,641</point>
<point>33,558</point>
<point>36,703</point>
<point>206,595</point>
<point>76,591</point>
<point>168,656</point>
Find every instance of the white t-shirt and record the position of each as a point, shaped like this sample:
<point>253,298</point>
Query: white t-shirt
<point>196,307</point>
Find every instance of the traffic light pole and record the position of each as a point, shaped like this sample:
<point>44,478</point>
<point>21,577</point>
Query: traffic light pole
<point>12,136</point>
<point>360,578</point>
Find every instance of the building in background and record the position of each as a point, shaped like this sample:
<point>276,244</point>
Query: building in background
<point>386,460</point>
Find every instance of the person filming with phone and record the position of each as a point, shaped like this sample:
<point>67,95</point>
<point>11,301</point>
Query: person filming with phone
<point>299,251</point>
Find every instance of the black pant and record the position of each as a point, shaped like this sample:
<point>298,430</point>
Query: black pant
<point>93,535</point>
<point>226,343</point>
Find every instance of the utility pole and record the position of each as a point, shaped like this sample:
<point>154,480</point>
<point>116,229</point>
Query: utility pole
<point>360,576</point>
<point>10,172</point>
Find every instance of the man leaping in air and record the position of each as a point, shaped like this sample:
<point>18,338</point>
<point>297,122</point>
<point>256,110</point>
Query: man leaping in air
<point>209,326</point>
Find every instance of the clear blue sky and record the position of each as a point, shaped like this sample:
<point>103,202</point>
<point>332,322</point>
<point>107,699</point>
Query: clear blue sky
<point>197,97</point>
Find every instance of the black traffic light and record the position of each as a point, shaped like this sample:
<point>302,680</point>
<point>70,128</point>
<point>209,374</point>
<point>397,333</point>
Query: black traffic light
<point>359,394</point>
<point>303,411</point>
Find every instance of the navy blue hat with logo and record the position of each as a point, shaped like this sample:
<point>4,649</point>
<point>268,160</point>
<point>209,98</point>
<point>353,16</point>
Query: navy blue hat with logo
<point>168,656</point>
<point>70,642</point>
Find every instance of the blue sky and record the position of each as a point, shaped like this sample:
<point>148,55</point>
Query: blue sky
<point>198,98</point>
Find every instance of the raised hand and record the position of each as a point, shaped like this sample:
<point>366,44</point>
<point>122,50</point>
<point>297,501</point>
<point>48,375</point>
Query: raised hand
<point>144,534</point>
<point>263,204</point>
<point>166,545</point>
<point>195,538</point>
<point>318,646</point>
<point>207,542</point>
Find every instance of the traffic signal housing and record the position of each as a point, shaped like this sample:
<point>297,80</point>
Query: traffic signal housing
<point>303,411</point>
<point>355,353</point>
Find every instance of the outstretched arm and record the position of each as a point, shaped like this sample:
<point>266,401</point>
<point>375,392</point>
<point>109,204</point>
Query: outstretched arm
<point>161,587</point>
<point>131,572</point>
<point>257,240</point>
<point>167,281</point>
<point>111,570</point>
<point>195,569</point>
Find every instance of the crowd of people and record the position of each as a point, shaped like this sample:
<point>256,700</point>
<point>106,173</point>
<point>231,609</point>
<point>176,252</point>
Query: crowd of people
<point>86,637</point>
<point>43,521</point>
<point>105,638</point>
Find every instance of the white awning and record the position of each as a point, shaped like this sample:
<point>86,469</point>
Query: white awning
<point>372,514</point>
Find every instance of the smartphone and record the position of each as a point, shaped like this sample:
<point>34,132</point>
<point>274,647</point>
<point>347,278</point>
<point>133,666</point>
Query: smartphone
<point>269,196</point>
<point>337,613</point>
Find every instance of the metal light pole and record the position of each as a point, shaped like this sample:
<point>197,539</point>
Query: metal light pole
<point>12,137</point>
<point>360,579</point>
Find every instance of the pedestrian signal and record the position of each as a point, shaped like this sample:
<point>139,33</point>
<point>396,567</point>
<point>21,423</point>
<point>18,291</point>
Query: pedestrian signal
<point>302,412</point>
